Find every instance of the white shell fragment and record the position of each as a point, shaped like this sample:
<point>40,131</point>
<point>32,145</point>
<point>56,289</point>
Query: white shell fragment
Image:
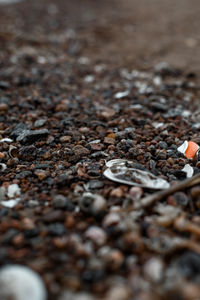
<point>6,140</point>
<point>114,162</point>
<point>21,283</point>
<point>13,194</point>
<point>12,150</point>
<point>3,167</point>
<point>188,170</point>
<point>120,95</point>
<point>183,147</point>
<point>122,171</point>
<point>13,190</point>
<point>157,125</point>
<point>10,203</point>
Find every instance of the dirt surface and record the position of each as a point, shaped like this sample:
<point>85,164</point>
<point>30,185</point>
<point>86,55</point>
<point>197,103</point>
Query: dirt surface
<point>134,32</point>
<point>82,83</point>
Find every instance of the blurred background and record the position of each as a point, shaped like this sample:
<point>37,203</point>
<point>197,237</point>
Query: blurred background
<point>136,32</point>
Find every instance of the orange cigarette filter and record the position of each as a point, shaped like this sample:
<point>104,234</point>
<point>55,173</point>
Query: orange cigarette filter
<point>191,150</point>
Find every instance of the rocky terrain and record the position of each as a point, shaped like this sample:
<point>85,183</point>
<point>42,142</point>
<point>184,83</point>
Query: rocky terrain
<point>83,83</point>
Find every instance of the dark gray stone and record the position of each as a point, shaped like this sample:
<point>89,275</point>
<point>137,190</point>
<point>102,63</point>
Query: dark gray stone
<point>30,136</point>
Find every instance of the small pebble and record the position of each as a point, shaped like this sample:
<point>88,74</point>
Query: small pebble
<point>118,193</point>
<point>59,201</point>
<point>2,194</point>
<point>31,136</point>
<point>136,193</point>
<point>111,219</point>
<point>118,292</point>
<point>3,107</point>
<point>80,150</point>
<point>181,198</point>
<point>95,184</point>
<point>96,234</point>
<point>39,123</point>
<point>153,269</point>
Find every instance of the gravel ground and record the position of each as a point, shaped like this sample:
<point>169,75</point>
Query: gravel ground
<point>82,84</point>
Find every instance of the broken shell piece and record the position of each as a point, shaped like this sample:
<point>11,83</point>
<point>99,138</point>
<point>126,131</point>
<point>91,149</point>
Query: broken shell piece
<point>10,203</point>
<point>13,190</point>
<point>188,170</point>
<point>120,95</point>
<point>19,282</point>
<point>13,194</point>
<point>6,140</point>
<point>120,170</point>
<point>3,167</point>
<point>189,149</point>
<point>183,147</point>
<point>13,151</point>
<point>114,162</point>
<point>157,125</point>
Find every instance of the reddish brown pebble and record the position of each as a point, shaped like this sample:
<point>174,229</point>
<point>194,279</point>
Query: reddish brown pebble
<point>118,193</point>
<point>107,113</point>
<point>60,242</point>
<point>109,141</point>
<point>2,155</point>
<point>65,139</point>
<point>80,150</point>
<point>3,107</point>
<point>111,219</point>
<point>96,146</point>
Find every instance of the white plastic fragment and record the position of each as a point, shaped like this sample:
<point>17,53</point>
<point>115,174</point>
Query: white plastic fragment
<point>21,283</point>
<point>120,95</point>
<point>123,171</point>
<point>13,191</point>
<point>188,170</point>
<point>183,147</point>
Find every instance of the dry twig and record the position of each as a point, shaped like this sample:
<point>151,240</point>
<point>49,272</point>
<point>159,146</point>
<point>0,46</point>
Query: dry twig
<point>149,200</point>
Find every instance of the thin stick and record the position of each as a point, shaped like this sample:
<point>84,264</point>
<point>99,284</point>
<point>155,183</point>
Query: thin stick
<point>149,200</point>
